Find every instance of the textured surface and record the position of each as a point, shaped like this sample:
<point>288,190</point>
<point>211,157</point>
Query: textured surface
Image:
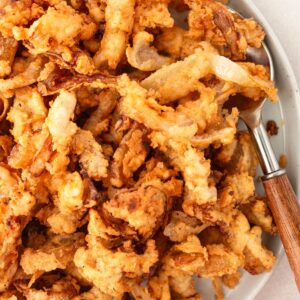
<point>283,17</point>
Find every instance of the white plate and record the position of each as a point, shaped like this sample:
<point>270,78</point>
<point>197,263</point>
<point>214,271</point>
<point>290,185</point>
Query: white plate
<point>286,114</point>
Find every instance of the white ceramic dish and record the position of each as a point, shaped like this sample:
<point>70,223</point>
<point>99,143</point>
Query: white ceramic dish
<point>286,113</point>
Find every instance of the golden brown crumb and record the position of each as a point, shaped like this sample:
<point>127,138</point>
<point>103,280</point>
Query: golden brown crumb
<point>283,161</point>
<point>232,280</point>
<point>272,128</point>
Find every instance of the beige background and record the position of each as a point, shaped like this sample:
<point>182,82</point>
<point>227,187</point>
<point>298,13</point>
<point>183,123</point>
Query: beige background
<point>284,17</point>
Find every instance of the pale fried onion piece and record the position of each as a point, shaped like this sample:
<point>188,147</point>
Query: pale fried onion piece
<point>72,197</point>
<point>59,121</point>
<point>144,57</point>
<point>139,292</point>
<point>51,141</point>
<point>119,125</point>
<point>235,231</point>
<point>247,242</point>
<point>195,171</point>
<point>108,229</point>
<point>88,98</point>
<point>137,105</point>
<point>135,213</point>
<point>219,254</point>
<point>203,110</point>
<point>223,136</point>
<point>159,287</point>
<point>69,188</point>
<point>171,41</point>
<point>156,169</point>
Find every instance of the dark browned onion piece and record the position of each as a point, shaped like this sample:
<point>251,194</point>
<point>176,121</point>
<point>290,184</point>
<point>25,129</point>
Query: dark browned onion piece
<point>65,79</point>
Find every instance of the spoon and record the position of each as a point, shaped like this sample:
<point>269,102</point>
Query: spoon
<point>280,194</point>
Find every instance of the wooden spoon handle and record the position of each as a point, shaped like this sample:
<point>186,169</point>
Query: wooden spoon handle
<point>286,212</point>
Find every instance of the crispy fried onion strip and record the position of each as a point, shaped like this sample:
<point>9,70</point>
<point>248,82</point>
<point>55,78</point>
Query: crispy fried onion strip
<point>190,70</point>
<point>8,48</point>
<point>99,118</point>
<point>28,77</point>
<point>4,106</point>
<point>119,21</point>
<point>13,218</point>
<point>27,115</point>
<point>90,154</point>
<point>129,156</point>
